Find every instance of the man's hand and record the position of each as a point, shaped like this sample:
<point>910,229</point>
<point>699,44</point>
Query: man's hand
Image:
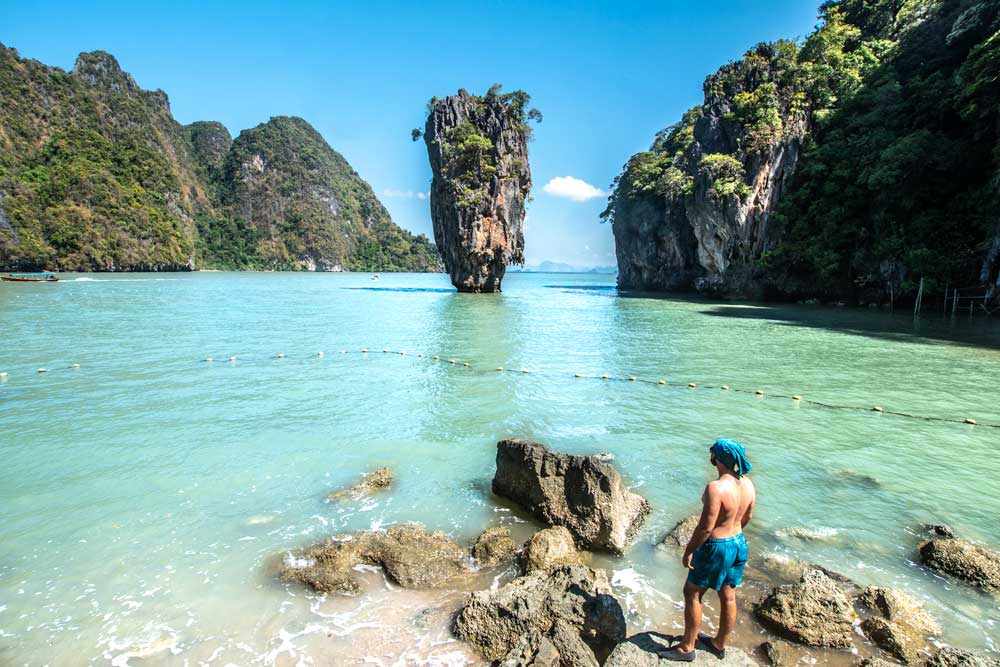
<point>687,560</point>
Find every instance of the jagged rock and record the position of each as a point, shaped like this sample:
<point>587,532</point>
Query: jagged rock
<point>642,650</point>
<point>582,493</point>
<point>814,611</point>
<point>571,605</point>
<point>896,639</point>
<point>877,662</point>
<point>954,657</point>
<point>101,69</point>
<point>410,556</point>
<point>371,482</point>
<point>710,218</point>
<point>899,607</point>
<point>478,150</point>
<point>681,534</point>
<point>780,653</point>
<point>962,559</point>
<point>902,624</point>
<point>494,546</point>
<point>549,548</point>
<point>532,650</point>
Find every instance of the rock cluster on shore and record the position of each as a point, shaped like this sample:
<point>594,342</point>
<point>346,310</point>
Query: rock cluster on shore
<point>557,611</point>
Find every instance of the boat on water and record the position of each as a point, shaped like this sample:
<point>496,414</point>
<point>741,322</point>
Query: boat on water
<point>40,277</point>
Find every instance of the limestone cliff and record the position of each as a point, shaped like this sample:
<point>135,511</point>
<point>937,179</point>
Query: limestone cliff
<point>694,211</point>
<point>852,166</point>
<point>478,150</point>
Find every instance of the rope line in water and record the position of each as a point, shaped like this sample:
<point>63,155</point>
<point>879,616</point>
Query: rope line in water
<point>451,362</point>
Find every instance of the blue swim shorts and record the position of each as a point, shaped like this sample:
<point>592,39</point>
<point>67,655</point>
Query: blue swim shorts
<point>719,562</point>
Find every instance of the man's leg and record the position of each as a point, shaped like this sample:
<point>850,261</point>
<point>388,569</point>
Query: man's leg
<point>727,615</point>
<point>692,616</point>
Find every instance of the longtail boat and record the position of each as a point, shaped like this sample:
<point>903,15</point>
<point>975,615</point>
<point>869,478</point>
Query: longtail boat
<point>40,277</point>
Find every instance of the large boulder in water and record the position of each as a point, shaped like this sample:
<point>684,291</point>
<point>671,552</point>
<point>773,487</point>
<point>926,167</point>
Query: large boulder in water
<point>410,556</point>
<point>642,650</point>
<point>814,611</point>
<point>478,150</point>
<point>583,493</point>
<point>961,559</point>
<point>571,606</point>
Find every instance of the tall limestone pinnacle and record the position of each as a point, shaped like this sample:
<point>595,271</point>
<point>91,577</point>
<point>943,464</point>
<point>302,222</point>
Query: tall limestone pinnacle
<point>478,150</point>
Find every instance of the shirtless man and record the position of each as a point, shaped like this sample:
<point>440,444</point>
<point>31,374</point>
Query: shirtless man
<point>717,552</point>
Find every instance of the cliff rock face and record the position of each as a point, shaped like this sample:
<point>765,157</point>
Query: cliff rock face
<point>830,168</point>
<point>96,175</point>
<point>694,211</point>
<point>478,150</point>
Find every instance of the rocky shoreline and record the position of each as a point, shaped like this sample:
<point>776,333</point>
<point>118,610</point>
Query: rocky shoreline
<point>547,605</point>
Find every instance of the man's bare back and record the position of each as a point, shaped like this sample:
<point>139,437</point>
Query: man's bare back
<point>731,500</point>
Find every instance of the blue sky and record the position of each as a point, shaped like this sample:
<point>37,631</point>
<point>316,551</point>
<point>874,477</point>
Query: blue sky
<point>606,76</point>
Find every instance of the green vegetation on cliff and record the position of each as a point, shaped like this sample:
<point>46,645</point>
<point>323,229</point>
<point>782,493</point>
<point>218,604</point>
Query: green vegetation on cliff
<point>95,174</point>
<point>883,128</point>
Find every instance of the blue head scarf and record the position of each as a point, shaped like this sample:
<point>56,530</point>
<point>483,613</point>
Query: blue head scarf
<point>732,455</point>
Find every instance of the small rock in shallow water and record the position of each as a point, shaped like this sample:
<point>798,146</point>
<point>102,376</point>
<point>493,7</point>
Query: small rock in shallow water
<point>410,556</point>
<point>962,559</point>
<point>814,611</point>
<point>899,607</point>
<point>549,548</point>
<point>681,534</point>
<point>371,482</point>
<point>494,546</point>
<point>954,657</point>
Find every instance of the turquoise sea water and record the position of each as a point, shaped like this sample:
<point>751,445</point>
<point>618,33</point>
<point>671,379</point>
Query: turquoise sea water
<point>145,496</point>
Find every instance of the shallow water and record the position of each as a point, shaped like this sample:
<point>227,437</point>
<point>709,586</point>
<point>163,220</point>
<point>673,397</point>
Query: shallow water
<point>146,494</point>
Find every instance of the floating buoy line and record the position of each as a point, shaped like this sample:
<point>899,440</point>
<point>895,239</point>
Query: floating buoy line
<point>234,360</point>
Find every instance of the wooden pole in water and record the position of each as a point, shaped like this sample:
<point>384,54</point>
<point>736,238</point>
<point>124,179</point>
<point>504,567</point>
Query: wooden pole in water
<point>954,302</point>
<point>920,297</point>
<point>945,307</point>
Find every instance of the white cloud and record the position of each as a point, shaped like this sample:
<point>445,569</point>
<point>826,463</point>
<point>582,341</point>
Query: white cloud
<point>572,188</point>
<point>405,194</point>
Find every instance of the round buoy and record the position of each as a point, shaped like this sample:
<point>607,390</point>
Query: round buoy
<point>3,374</point>
<point>725,387</point>
<point>232,358</point>
<point>421,355</point>
<point>209,359</point>
<point>75,366</point>
<point>661,382</point>
<point>524,370</point>
<point>466,364</point>
<point>320,354</point>
<point>43,370</point>
<point>796,397</point>
<point>364,351</point>
<point>385,350</point>
<point>281,355</point>
<point>759,392</point>
<point>969,420</point>
<point>499,368</point>
<point>631,378</point>
<point>578,375</point>
<point>692,385</point>
<point>604,377</point>
<point>878,408</point>
<point>451,361</point>
<point>435,357</point>
<point>402,353</point>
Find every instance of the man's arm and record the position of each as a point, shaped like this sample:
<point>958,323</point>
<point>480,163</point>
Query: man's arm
<point>709,514</point>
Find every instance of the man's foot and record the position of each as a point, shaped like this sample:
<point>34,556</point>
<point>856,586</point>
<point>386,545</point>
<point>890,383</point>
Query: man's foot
<point>675,654</point>
<point>706,643</point>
